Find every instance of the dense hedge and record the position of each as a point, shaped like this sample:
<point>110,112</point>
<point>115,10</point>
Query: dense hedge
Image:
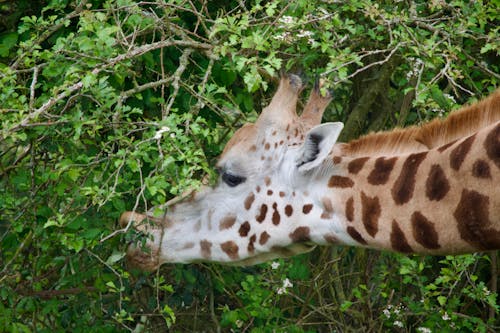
<point>109,106</point>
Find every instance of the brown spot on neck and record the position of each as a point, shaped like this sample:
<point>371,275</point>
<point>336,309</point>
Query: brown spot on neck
<point>276,215</point>
<point>307,208</point>
<point>331,239</point>
<point>288,210</point>
<point>227,222</point>
<point>337,159</point>
<point>481,169</point>
<point>436,185</point>
<point>231,249</point>
<point>458,154</point>
<point>249,201</point>
<point>264,237</point>
<point>340,181</point>
<point>370,213</point>
<point>473,221</point>
<point>492,145</point>
<point>402,191</point>
<point>398,239</point>
<point>356,235</point>
<point>251,241</point>
<point>262,213</point>
<point>356,164</point>
<point>349,209</point>
<point>244,229</point>
<point>206,249</point>
<point>301,234</point>
<point>381,171</point>
<point>424,232</point>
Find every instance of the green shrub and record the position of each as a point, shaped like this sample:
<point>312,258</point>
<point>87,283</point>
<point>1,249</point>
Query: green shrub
<point>109,106</point>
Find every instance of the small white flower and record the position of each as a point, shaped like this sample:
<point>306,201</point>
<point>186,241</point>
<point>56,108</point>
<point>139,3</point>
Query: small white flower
<point>387,313</point>
<point>304,33</point>
<point>437,110</point>
<point>172,135</point>
<point>451,98</point>
<point>281,36</point>
<point>286,19</point>
<point>287,283</point>
<point>424,330</point>
<point>398,323</point>
<point>446,316</point>
<point>160,132</point>
<point>275,265</point>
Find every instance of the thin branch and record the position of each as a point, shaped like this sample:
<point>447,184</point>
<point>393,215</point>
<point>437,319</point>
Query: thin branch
<point>48,294</point>
<point>32,87</point>
<point>25,241</point>
<point>122,57</point>
<point>183,62</point>
<point>126,94</point>
<point>380,62</point>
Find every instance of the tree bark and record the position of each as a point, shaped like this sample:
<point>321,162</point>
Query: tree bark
<point>354,125</point>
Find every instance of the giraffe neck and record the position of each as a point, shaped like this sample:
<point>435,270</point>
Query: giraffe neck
<point>440,201</point>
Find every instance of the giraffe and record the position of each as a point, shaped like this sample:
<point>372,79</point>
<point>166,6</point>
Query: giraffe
<point>287,185</point>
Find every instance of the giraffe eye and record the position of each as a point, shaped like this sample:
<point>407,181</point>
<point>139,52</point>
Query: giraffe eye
<point>232,180</point>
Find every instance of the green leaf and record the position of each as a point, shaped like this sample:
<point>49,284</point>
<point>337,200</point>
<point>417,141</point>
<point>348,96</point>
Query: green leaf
<point>442,300</point>
<point>115,257</point>
<point>7,42</point>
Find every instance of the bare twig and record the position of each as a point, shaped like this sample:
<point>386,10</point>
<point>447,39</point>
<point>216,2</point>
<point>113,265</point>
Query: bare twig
<point>32,87</point>
<point>124,95</point>
<point>483,68</point>
<point>375,63</point>
<point>183,61</point>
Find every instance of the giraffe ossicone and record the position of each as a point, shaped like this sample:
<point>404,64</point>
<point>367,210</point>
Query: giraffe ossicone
<point>286,185</point>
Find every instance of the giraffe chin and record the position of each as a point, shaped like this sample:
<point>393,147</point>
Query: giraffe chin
<point>136,258</point>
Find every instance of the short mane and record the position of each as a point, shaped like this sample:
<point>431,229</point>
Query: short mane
<point>440,131</point>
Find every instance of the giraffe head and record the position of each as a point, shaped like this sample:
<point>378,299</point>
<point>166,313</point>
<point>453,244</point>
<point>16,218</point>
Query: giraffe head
<point>257,210</point>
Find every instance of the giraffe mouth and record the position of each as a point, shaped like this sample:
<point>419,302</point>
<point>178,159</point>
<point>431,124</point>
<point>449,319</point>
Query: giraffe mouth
<point>148,260</point>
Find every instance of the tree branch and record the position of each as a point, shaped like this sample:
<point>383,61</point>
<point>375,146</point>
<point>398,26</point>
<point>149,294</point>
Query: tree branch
<point>120,58</point>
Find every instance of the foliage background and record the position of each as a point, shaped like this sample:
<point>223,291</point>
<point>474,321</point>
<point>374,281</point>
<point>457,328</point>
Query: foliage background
<point>117,105</point>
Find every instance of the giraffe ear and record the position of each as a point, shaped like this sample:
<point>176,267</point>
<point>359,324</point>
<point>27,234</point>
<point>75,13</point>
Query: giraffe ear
<point>318,144</point>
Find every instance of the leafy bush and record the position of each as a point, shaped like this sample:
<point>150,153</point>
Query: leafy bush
<point>117,105</point>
